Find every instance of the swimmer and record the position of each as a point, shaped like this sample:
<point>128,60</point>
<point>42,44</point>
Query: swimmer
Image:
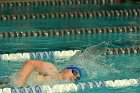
<point>45,70</point>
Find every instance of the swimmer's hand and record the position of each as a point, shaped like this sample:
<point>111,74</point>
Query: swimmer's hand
<point>20,83</point>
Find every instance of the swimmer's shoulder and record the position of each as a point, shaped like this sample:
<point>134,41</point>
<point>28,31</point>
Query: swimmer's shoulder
<point>39,62</point>
<point>45,65</point>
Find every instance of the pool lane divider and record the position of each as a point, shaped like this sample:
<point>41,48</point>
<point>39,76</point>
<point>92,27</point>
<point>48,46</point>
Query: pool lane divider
<point>37,3</point>
<point>59,55</point>
<point>130,50</point>
<point>48,33</point>
<point>123,13</point>
<point>72,87</point>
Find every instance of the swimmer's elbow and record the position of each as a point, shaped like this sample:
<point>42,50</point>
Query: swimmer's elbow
<point>34,63</point>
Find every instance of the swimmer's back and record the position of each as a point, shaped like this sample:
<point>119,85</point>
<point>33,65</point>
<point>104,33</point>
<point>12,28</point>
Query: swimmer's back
<point>43,67</point>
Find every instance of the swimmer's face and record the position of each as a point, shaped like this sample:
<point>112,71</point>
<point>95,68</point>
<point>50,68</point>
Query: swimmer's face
<point>70,74</point>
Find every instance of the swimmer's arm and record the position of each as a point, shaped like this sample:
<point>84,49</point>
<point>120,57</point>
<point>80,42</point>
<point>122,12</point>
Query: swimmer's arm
<point>32,65</point>
<point>26,70</point>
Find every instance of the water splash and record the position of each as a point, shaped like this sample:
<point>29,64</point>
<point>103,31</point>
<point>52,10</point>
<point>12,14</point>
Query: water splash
<point>91,60</point>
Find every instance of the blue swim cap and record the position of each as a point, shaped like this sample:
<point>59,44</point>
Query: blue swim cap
<point>75,68</point>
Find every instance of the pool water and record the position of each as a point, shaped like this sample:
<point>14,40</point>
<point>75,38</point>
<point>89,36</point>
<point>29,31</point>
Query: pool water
<point>97,67</point>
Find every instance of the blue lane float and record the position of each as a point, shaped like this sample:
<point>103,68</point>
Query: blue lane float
<point>57,55</point>
<point>72,87</point>
<point>38,55</point>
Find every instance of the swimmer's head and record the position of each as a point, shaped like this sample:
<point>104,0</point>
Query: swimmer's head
<point>75,70</point>
<point>72,72</point>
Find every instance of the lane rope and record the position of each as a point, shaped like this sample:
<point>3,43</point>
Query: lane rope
<point>72,87</point>
<point>56,55</point>
<point>48,33</point>
<point>123,13</point>
<point>37,3</point>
